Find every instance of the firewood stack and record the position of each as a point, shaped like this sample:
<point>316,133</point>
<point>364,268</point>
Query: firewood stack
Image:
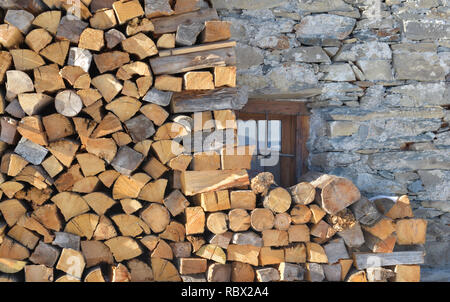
<point>120,163</point>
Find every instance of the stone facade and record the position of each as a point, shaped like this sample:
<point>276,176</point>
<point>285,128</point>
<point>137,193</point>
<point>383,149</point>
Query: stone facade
<point>378,71</point>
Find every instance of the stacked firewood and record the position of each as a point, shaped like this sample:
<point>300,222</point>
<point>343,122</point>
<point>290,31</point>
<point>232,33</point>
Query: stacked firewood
<point>119,160</point>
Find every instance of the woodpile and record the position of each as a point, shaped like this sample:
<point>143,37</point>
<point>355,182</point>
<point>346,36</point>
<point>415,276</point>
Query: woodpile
<point>119,161</point>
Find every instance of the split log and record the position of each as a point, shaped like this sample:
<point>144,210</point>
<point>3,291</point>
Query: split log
<point>314,272</point>
<point>95,253</point>
<point>10,266</point>
<point>181,249</point>
<point>346,265</point>
<point>38,39</point>
<point>70,204</point>
<point>242,272</point>
<point>71,262</point>
<point>162,250</point>
<point>25,59</point>
<point>221,240</point>
<point>67,240</point>
<point>123,248</point>
<point>203,161</point>
<point>366,212</point>
<point>12,164</point>
<point>291,272</point>
<point>225,76</point>
<point>407,273</point>
<point>113,37</point>
<point>243,253</point>
<point>316,213</point>
<point>140,271</point>
<point>213,201</point>
<point>34,103</point>
<point>335,251</point>
<point>105,229</point>
<point>216,31</point>
<point>12,210</point>
<point>212,252</point>
<point>242,199</point>
<point>95,275</point>
<point>83,225</point>
<point>119,273</point>
<point>157,217</point>
<point>270,256</point>
<point>17,82</point>
<point>300,214</point>
<point>48,216</point>
<point>295,253</point>
<point>91,39</point>
<point>10,36</point>
<point>188,32</point>
<point>38,273</point>
<point>48,20</point>
<point>218,272</point>
<point>411,231</point>
<point>176,203</point>
<point>175,231</point>
<point>195,220</point>
<point>275,238</point>
<point>353,236</point>
<point>377,245</point>
<point>139,25</point>
<point>141,46</point>
<point>12,250</point>
<point>166,41</point>
<point>267,275</point>
<point>323,231</point>
<point>23,236</point>
<point>130,225</point>
<point>237,157</point>
<point>127,10</point>
<point>164,271</point>
<point>155,113</point>
<point>110,61</point>
<point>103,19</point>
<point>56,52</point>
<point>382,229</point>
<point>299,233</point>
<point>394,208</point>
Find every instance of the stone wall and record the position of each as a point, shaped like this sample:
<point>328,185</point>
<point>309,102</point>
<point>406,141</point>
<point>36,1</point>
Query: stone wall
<point>379,71</point>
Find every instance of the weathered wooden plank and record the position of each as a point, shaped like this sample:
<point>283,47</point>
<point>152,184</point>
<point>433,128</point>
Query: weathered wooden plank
<point>206,100</point>
<point>170,24</point>
<point>196,48</point>
<point>193,61</point>
<point>365,260</point>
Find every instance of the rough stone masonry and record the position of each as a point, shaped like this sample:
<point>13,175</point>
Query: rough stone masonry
<point>378,74</point>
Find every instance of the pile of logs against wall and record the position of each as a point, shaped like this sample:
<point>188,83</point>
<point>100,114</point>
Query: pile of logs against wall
<point>103,106</point>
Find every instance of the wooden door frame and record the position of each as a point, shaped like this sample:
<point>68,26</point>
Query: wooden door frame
<point>300,116</point>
